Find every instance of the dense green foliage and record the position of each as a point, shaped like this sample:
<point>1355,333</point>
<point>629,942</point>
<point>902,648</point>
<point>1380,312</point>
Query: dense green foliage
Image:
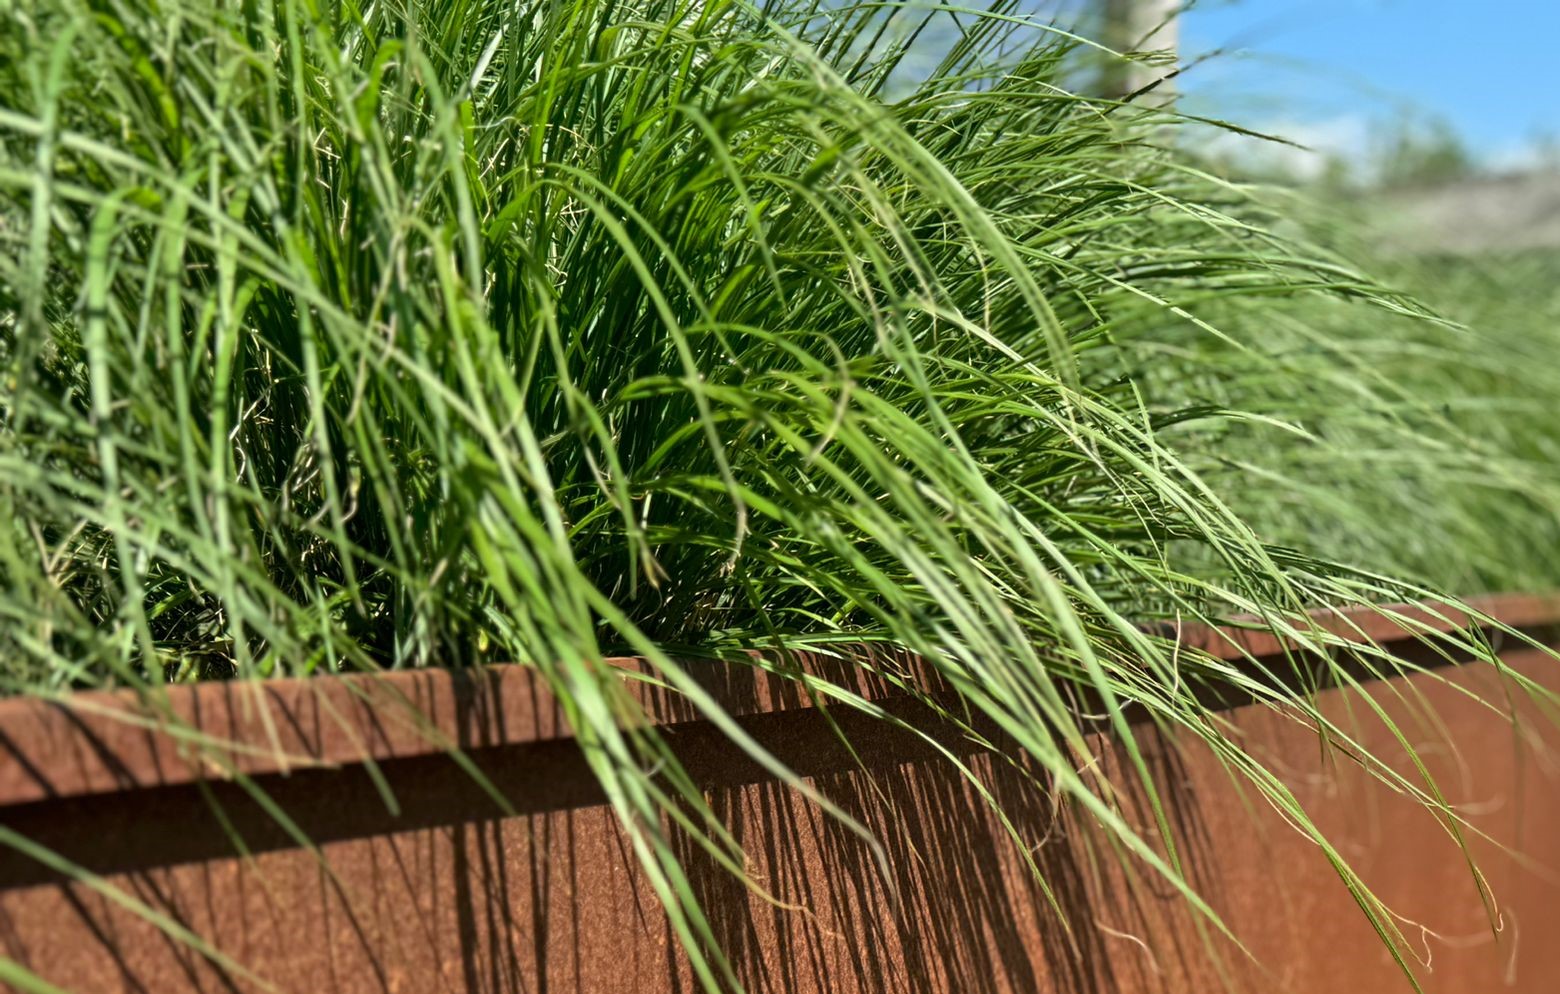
<point>438,332</point>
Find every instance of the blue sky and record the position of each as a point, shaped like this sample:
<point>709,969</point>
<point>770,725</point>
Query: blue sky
<point>1337,69</point>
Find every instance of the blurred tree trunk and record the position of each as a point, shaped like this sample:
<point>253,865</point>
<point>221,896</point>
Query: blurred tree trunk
<point>1142,26</point>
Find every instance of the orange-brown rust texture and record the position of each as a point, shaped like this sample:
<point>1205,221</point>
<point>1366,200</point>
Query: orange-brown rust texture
<point>449,893</point>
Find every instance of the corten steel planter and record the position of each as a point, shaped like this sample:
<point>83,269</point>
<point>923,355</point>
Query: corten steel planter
<point>449,893</point>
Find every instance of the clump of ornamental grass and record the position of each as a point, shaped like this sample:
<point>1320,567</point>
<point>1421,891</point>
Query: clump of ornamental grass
<point>442,332</point>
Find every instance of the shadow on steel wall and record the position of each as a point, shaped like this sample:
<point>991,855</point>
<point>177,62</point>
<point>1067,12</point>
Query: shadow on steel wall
<point>960,908</point>
<point>314,883</point>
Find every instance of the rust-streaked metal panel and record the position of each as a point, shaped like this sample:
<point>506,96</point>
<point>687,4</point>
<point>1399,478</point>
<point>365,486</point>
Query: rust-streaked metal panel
<point>448,895</point>
<point>104,741</point>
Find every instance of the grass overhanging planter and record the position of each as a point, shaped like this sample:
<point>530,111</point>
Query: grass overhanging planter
<point>345,338</point>
<point>517,877</point>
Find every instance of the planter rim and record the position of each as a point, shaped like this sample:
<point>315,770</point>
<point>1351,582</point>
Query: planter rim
<point>97,742</point>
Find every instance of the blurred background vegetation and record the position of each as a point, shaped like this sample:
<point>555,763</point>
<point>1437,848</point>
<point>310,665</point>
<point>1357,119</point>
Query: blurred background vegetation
<point>1416,139</point>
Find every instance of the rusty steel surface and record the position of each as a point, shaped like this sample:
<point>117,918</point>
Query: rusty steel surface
<point>449,893</point>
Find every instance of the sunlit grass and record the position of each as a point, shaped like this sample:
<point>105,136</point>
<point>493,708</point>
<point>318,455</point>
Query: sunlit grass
<point>347,337</point>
